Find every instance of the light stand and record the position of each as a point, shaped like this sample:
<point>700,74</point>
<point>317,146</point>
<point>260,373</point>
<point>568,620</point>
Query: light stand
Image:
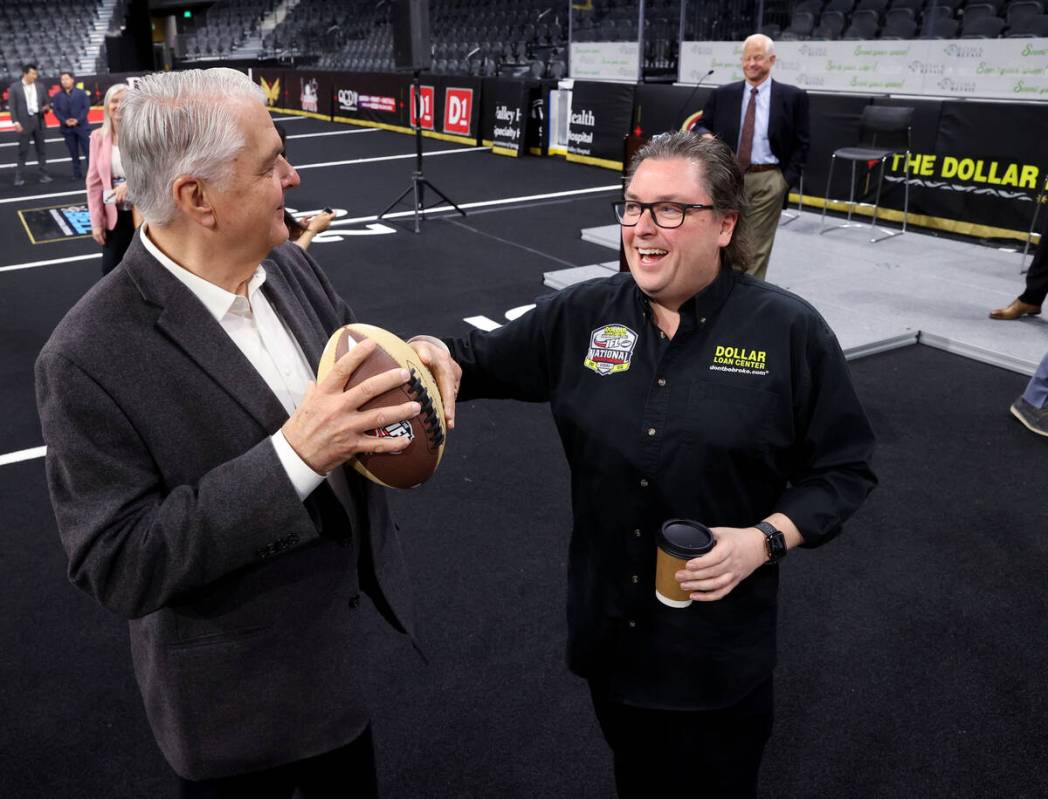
<point>419,182</point>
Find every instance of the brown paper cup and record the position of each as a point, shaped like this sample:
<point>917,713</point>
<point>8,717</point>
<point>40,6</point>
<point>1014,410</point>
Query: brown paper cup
<point>680,540</point>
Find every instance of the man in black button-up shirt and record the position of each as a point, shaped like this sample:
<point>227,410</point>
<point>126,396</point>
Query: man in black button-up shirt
<point>684,389</point>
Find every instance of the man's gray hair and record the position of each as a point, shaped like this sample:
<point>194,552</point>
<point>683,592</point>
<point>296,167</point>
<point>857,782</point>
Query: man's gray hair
<point>766,42</point>
<point>175,124</point>
<point>719,175</point>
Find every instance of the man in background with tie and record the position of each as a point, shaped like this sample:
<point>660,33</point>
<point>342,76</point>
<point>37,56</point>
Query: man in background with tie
<point>766,122</point>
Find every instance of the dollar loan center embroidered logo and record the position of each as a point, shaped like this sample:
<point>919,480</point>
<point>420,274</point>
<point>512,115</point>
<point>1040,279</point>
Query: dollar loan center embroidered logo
<point>610,349</point>
<point>741,360</point>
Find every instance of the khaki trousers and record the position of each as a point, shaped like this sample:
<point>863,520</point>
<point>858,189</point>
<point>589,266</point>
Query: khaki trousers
<point>764,195</point>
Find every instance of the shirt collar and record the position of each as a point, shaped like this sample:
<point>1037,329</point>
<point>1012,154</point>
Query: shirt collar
<point>704,305</point>
<point>761,87</point>
<point>216,299</point>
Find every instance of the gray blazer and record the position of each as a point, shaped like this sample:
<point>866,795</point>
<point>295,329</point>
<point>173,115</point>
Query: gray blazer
<point>16,102</point>
<point>176,513</point>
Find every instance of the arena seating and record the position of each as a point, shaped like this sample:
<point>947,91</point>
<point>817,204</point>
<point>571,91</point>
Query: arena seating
<point>468,36</point>
<point>908,19</point>
<point>228,26</point>
<point>493,37</point>
<point>54,36</point>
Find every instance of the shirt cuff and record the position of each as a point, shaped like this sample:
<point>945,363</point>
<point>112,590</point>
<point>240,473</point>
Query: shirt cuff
<point>302,477</point>
<point>436,342</point>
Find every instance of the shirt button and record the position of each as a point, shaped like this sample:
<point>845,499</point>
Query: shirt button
<point>643,482</point>
<point>631,623</point>
<point>636,533</point>
<point>635,578</point>
<point>662,381</point>
<point>651,431</point>
<point>702,321</point>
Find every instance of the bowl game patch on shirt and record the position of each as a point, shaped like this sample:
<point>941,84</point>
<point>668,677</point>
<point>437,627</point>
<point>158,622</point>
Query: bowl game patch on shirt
<point>610,349</point>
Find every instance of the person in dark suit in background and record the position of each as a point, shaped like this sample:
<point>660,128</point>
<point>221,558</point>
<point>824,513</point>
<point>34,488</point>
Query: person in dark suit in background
<point>766,123</point>
<point>196,470</point>
<point>70,107</point>
<point>28,102</point>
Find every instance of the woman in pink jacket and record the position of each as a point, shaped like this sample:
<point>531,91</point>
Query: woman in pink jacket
<point>112,223</point>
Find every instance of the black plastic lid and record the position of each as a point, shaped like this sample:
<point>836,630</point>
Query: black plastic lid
<point>685,538</point>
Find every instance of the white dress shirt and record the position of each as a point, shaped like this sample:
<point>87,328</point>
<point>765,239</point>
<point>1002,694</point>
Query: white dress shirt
<point>31,104</point>
<point>761,152</point>
<point>260,333</point>
<point>116,165</point>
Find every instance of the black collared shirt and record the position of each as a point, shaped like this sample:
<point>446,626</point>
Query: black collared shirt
<point>747,410</point>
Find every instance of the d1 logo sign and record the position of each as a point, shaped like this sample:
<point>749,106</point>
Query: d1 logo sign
<point>458,111</point>
<point>426,97</point>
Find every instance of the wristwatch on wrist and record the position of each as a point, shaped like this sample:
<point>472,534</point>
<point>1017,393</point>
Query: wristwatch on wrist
<point>774,541</point>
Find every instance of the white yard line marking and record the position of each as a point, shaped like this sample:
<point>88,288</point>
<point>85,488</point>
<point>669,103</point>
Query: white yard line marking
<point>333,133</point>
<point>485,203</point>
<point>42,196</point>
<point>22,455</point>
<point>300,167</point>
<point>52,262</point>
<point>15,144</point>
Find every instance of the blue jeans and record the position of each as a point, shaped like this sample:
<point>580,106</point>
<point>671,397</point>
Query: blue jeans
<point>1037,389</point>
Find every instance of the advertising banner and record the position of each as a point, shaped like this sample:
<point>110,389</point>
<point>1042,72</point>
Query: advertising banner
<point>273,83</point>
<point>615,61</point>
<point>309,93</point>
<point>421,108</point>
<point>457,108</point>
<point>512,108</point>
<point>370,98</point>
<point>983,172</point>
<point>599,121</point>
<point>536,133</point>
<point>1007,69</point>
<point>459,111</point>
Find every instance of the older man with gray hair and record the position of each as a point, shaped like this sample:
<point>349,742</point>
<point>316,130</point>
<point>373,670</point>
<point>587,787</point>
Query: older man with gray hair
<point>195,468</point>
<point>766,123</point>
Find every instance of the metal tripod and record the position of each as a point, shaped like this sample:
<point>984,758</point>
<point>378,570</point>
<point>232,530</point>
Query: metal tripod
<point>419,183</point>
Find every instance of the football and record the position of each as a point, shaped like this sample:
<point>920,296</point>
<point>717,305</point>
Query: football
<point>417,463</point>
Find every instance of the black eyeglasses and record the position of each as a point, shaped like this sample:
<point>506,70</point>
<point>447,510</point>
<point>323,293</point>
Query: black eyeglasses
<point>665,214</point>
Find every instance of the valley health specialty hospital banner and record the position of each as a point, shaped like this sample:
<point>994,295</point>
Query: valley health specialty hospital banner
<point>1004,69</point>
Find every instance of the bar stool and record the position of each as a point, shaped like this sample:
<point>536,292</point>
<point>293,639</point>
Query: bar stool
<point>876,120</point>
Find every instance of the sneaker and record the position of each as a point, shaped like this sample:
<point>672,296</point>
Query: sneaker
<point>46,178</point>
<point>1035,419</point>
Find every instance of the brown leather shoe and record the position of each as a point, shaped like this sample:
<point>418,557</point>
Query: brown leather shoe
<point>1015,309</point>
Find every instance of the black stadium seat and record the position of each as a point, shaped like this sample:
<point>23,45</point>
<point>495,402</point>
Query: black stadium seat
<point>899,27</point>
<point>830,26</point>
<point>982,27</point>
<point>899,13</point>
<point>864,25</point>
<point>880,6</point>
<point>979,10</point>
<point>801,25</point>
<point>1021,10</point>
<point>843,6</point>
<point>1029,27</point>
<point>941,28</point>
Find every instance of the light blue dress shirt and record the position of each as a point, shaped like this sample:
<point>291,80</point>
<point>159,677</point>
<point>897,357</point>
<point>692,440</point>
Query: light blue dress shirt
<point>761,151</point>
